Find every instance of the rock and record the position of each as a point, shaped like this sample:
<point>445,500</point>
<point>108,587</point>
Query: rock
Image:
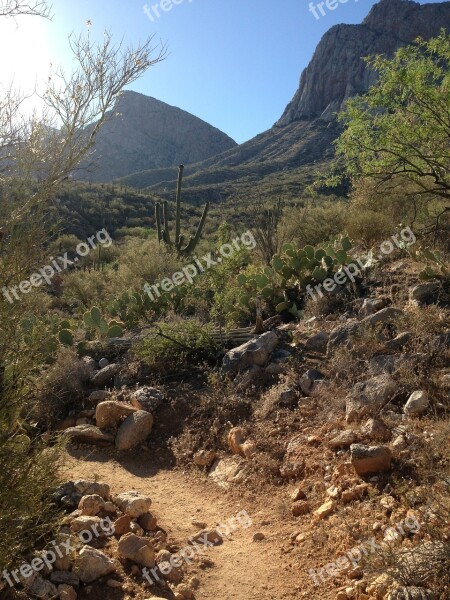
<point>211,535</point>
<point>92,564</point>
<point>67,592</point>
<point>91,505</point>
<point>134,430</point>
<point>88,488</point>
<point>137,549</point>
<point>246,379</point>
<point>103,362</point>
<point>168,570</point>
<point>325,510</point>
<point>343,440</point>
<point>287,397</point>
<point>399,342</point>
<point>39,587</point>
<point>88,434</point>
<point>122,525</point>
<point>308,380</point>
<point>111,413</point>
<point>86,523</point>
<point>342,336</point>
<point>370,459</point>
<point>354,493</point>
<point>258,537</point>
<point>205,458</point>
<point>228,470</point>
<point>294,461</point>
<point>148,521</point>
<point>298,494</point>
<point>317,343</point>
<point>113,583</point>
<point>382,317</point>
<point>371,306</point>
<point>301,507</point>
<point>255,352</point>
<point>64,577</point>
<point>417,403</point>
<point>105,375</point>
<point>66,424</point>
<point>238,444</point>
<point>411,593</point>
<point>147,398</point>
<point>425,293</point>
<point>133,503</point>
<point>383,363</point>
<point>368,397</point>
<point>185,591</point>
<point>98,396</point>
<point>375,429</point>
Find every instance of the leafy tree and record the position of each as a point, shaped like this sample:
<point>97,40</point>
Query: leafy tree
<point>36,154</point>
<point>398,133</point>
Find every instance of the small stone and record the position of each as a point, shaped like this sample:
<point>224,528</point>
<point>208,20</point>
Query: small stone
<point>66,592</point>
<point>298,494</point>
<point>301,507</point>
<point>92,564</point>
<point>148,521</point>
<point>113,583</point>
<point>103,362</point>
<point>133,503</point>
<point>205,458</point>
<point>105,375</point>
<point>343,440</point>
<point>91,505</point>
<point>325,510</point>
<point>211,535</point>
<point>122,525</point>
<point>137,549</point>
<point>258,537</point>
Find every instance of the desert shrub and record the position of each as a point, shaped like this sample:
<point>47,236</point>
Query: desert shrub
<point>176,342</point>
<point>60,388</point>
<point>315,223</point>
<point>369,227</point>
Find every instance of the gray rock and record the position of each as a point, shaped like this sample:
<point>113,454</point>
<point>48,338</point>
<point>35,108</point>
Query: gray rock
<point>308,380</point>
<point>134,430</point>
<point>85,487</point>
<point>399,342</point>
<point>103,362</point>
<point>147,398</point>
<point>255,352</point>
<point>344,439</point>
<point>425,293</point>
<point>369,397</point>
<point>98,396</point>
<point>287,397</point>
<point>386,315</point>
<point>417,403</point>
<point>92,564</point>
<point>342,336</point>
<point>370,459</point>
<point>105,375</point>
<point>133,503</point>
<point>318,342</point>
<point>371,306</point>
<point>88,434</point>
<point>39,587</point>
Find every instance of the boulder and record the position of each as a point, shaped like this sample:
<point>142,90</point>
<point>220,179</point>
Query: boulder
<point>134,430</point>
<point>417,403</point>
<point>98,396</point>
<point>368,397</point>
<point>65,578</point>
<point>317,343</point>
<point>122,525</point>
<point>147,398</point>
<point>343,440</point>
<point>148,522</point>
<point>133,503</point>
<point>255,352</point>
<point>425,293</point>
<point>137,549</point>
<point>384,316</point>
<point>105,375</point>
<point>342,336</point>
<point>371,306</point>
<point>103,362</point>
<point>111,413</point>
<point>205,458</point>
<point>399,342</point>
<point>88,434</point>
<point>67,592</point>
<point>92,564</point>
<point>370,459</point>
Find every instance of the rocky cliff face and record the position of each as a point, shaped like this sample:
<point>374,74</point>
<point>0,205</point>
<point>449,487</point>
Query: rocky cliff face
<point>145,133</point>
<point>337,71</point>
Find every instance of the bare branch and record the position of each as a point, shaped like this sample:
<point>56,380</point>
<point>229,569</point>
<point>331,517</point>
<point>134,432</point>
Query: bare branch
<point>16,8</point>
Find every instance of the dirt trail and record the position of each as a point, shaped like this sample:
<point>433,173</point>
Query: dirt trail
<point>243,569</point>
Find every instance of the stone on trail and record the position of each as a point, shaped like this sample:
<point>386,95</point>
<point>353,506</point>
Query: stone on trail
<point>133,503</point>
<point>134,430</point>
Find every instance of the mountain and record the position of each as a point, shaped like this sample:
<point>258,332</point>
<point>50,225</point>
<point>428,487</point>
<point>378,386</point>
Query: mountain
<point>145,133</point>
<point>284,158</point>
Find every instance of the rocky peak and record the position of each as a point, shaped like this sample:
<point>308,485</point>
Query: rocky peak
<point>337,71</point>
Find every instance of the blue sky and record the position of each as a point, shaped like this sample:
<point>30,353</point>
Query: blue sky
<point>234,63</point>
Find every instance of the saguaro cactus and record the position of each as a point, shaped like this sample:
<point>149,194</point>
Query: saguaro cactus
<point>162,223</point>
